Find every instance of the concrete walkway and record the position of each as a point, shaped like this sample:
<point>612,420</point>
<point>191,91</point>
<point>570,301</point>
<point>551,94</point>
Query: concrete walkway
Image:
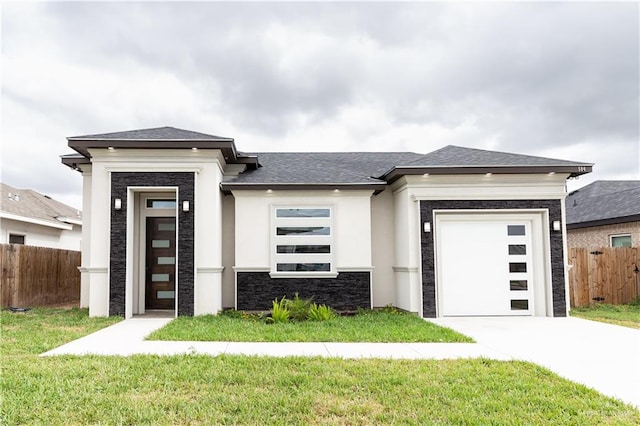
<point>602,356</point>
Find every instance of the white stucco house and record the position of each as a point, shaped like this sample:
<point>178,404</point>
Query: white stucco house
<point>30,218</point>
<point>184,221</point>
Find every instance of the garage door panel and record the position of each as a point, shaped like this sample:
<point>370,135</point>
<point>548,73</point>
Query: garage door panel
<point>484,266</point>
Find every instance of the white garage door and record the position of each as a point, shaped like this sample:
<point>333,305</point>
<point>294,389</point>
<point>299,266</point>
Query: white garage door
<point>485,265</point>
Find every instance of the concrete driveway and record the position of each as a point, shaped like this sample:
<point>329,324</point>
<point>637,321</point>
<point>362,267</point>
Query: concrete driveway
<point>601,356</point>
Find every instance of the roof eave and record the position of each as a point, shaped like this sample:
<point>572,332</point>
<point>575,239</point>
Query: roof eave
<point>601,222</point>
<point>227,187</point>
<point>397,172</point>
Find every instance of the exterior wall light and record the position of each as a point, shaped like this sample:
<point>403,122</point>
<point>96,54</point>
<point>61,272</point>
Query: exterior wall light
<point>426,227</point>
<point>117,204</point>
<point>556,225</point>
<point>185,206</point>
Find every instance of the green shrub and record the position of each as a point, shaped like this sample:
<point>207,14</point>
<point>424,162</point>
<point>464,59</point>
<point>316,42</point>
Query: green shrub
<point>279,311</point>
<point>298,308</point>
<point>320,313</point>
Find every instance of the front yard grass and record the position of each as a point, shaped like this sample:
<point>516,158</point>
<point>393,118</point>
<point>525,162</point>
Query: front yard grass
<point>191,389</point>
<point>625,315</point>
<point>386,325</point>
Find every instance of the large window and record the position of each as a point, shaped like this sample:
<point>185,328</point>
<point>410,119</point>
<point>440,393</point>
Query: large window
<point>302,241</point>
<point>621,240</point>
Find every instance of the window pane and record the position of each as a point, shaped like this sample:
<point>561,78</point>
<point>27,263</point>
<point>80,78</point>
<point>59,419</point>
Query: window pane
<point>621,241</point>
<point>517,249</point>
<point>517,267</point>
<point>519,305</point>
<point>515,230</point>
<point>166,260</point>
<point>160,243</point>
<point>166,294</point>
<point>302,267</point>
<point>16,239</point>
<point>303,213</point>
<point>302,230</point>
<point>303,249</point>
<point>166,226</point>
<point>161,204</point>
<point>518,285</point>
<point>159,277</point>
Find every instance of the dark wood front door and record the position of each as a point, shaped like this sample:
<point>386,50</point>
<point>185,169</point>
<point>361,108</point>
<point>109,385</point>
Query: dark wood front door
<point>161,263</point>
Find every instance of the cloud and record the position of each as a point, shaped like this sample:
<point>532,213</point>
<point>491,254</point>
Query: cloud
<point>533,78</point>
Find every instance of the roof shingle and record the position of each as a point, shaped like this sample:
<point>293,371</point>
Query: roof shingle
<point>604,200</point>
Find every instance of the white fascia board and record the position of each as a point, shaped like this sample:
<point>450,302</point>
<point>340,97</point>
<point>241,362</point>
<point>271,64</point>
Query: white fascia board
<point>311,194</point>
<point>57,225</point>
<point>70,220</point>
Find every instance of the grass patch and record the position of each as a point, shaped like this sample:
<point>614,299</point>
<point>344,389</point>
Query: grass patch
<point>52,326</point>
<point>366,326</point>
<point>625,315</point>
<point>190,389</point>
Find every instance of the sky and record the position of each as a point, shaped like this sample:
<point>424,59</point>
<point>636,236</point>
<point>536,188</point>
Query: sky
<point>559,80</point>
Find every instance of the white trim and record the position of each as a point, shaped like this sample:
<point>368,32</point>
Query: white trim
<point>19,218</point>
<point>157,168</point>
<point>210,269</point>
<point>303,274</point>
<point>405,269</point>
<point>355,268</point>
<point>251,269</point>
<point>70,220</point>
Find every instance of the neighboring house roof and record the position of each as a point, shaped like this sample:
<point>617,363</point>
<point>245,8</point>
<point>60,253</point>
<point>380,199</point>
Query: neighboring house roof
<point>27,205</point>
<point>604,202</point>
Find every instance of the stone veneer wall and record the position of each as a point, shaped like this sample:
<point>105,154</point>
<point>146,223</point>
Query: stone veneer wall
<point>598,236</point>
<point>348,291</point>
<point>185,239</point>
<point>428,250</point>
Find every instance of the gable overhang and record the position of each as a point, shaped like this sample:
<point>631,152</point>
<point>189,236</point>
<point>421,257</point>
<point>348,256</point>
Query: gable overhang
<point>228,187</point>
<point>397,172</point>
<point>36,221</point>
<point>226,145</point>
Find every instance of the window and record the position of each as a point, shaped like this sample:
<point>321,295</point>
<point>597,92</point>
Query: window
<point>16,239</point>
<point>302,241</point>
<point>621,240</point>
<point>154,203</point>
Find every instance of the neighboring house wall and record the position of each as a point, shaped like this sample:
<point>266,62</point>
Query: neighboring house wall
<point>599,236</point>
<point>42,236</point>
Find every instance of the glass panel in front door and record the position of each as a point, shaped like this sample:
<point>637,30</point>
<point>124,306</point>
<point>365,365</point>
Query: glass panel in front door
<point>160,263</point>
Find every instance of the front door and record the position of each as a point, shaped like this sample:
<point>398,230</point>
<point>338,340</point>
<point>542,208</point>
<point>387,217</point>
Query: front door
<point>161,263</point>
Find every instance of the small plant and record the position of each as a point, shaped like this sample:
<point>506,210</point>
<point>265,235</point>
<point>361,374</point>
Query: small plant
<point>298,308</point>
<point>320,313</point>
<point>279,312</point>
<point>390,309</point>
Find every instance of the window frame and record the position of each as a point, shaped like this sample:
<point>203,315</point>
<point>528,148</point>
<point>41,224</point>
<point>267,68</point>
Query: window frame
<point>17,234</point>
<point>302,240</point>
<point>611,237</point>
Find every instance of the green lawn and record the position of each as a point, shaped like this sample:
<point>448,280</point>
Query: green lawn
<point>625,315</point>
<point>192,389</point>
<point>367,326</point>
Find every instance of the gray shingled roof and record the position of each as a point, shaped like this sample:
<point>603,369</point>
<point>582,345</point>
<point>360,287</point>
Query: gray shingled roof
<point>31,204</point>
<point>373,167</point>
<point>323,167</point>
<point>158,133</point>
<point>603,202</point>
<point>452,155</point>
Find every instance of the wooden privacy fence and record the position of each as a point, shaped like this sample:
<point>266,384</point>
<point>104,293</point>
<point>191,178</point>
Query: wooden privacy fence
<point>603,275</point>
<point>37,276</point>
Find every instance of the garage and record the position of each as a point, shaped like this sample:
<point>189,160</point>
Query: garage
<point>490,264</point>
